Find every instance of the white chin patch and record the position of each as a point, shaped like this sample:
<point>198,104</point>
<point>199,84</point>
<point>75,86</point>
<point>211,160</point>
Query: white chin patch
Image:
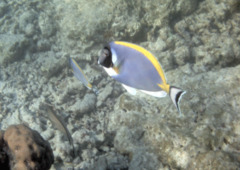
<point>159,94</point>
<point>114,57</point>
<point>110,71</point>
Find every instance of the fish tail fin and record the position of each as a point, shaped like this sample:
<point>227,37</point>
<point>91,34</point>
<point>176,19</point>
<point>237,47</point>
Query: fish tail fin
<point>175,94</point>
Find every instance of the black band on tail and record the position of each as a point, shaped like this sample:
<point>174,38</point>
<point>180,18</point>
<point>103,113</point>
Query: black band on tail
<point>175,94</point>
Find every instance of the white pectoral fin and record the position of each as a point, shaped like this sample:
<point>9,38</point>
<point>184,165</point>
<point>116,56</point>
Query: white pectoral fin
<point>111,72</point>
<point>130,90</point>
<point>176,95</point>
<point>159,94</point>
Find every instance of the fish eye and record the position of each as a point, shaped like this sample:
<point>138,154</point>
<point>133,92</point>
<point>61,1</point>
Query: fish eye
<point>105,52</point>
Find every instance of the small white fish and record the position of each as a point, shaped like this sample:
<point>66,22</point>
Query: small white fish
<point>79,74</point>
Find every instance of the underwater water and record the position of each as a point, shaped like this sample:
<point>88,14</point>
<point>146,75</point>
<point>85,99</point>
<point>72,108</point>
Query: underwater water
<point>197,43</point>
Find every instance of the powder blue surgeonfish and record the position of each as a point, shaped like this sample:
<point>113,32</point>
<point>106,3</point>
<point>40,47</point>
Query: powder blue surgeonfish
<point>137,68</point>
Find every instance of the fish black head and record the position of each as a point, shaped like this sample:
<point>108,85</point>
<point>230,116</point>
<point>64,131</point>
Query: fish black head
<point>105,58</point>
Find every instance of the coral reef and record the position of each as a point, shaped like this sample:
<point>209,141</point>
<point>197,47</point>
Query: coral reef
<point>24,149</point>
<point>11,47</point>
<point>198,45</point>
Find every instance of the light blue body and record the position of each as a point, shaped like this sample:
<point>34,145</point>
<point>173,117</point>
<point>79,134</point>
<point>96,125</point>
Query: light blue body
<point>135,69</point>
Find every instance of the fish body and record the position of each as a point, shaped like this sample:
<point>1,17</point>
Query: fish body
<point>137,68</point>
<point>79,74</point>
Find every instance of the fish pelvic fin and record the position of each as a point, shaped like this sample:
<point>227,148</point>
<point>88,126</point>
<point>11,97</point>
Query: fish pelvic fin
<point>176,94</point>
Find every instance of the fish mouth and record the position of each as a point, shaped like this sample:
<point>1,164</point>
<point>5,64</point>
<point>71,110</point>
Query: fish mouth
<point>99,56</point>
<point>101,59</point>
<point>104,57</point>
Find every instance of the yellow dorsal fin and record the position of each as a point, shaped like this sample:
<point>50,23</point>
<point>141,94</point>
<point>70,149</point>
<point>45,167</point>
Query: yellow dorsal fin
<point>149,56</point>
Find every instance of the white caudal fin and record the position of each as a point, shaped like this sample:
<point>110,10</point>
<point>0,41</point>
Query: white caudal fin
<point>175,95</point>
